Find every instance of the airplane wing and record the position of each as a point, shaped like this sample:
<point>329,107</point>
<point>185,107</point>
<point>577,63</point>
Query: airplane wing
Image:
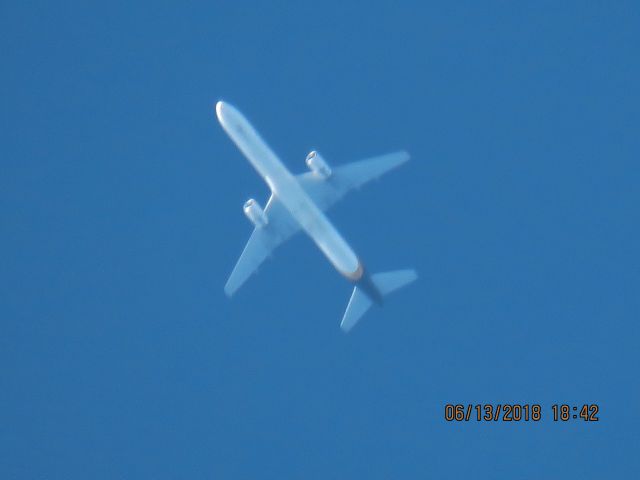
<point>262,243</point>
<point>327,191</point>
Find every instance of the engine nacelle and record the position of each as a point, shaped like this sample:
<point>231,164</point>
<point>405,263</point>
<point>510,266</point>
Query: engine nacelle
<point>255,213</point>
<point>317,165</point>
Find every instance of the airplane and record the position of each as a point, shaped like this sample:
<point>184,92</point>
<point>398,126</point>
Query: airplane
<point>297,203</point>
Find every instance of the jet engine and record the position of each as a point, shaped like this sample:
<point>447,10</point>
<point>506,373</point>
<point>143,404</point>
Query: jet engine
<point>317,165</point>
<point>255,213</point>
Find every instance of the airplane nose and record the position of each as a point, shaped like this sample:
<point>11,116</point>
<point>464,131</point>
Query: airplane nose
<point>220,109</point>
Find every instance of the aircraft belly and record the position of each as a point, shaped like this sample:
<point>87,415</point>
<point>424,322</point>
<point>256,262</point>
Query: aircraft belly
<point>320,229</point>
<point>289,191</point>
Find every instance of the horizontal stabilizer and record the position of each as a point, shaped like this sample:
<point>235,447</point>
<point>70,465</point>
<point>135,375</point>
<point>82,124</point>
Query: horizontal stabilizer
<point>358,306</point>
<point>385,283</point>
<point>390,281</point>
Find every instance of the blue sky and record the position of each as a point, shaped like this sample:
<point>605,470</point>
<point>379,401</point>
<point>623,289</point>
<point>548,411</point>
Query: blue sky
<point>120,210</point>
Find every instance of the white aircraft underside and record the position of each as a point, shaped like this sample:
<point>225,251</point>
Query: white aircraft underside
<point>298,202</point>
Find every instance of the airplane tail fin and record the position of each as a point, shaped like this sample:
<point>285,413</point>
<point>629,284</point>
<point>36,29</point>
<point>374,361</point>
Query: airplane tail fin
<point>360,302</point>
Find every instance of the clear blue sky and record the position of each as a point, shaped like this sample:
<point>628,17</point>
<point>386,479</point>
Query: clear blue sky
<point>120,217</point>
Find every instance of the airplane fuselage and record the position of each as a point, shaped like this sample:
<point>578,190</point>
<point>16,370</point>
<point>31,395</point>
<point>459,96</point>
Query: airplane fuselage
<point>284,185</point>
